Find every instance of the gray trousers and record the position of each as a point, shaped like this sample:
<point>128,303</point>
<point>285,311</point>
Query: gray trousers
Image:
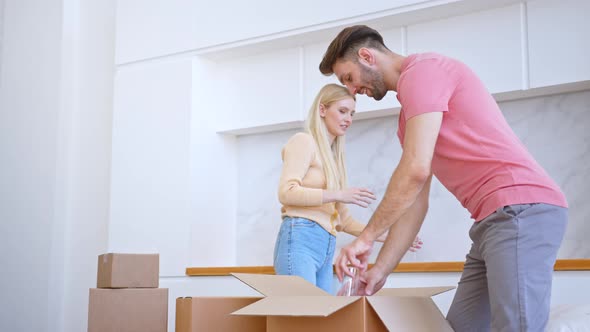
<point>506,282</point>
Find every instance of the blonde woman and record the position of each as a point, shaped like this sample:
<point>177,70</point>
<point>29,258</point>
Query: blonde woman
<point>313,191</point>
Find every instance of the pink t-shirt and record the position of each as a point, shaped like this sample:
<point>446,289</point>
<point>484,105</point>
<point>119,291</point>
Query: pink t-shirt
<point>477,157</point>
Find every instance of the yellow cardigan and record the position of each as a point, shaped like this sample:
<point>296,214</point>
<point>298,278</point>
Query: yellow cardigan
<point>301,188</point>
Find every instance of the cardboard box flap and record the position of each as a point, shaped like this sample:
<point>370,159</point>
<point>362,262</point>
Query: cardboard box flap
<point>313,306</point>
<point>400,313</point>
<point>415,291</point>
<point>280,285</point>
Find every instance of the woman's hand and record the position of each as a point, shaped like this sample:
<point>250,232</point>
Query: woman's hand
<point>416,245</point>
<point>359,196</point>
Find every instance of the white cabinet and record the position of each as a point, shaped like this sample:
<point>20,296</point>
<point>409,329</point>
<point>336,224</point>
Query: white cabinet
<point>514,48</point>
<point>260,90</point>
<point>313,80</point>
<point>155,28</point>
<point>487,41</point>
<point>559,41</point>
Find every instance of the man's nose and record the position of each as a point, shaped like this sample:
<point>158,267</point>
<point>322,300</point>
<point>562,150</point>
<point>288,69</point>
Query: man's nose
<point>351,89</point>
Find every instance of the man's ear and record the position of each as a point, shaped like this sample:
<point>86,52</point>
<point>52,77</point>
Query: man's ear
<point>366,55</point>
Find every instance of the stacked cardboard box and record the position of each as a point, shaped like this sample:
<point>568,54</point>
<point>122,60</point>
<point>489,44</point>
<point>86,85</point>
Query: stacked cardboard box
<point>127,297</point>
<point>290,303</point>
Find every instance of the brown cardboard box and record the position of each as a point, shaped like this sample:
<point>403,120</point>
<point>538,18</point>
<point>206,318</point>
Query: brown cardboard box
<point>128,310</point>
<point>213,314</point>
<point>292,304</point>
<point>128,271</point>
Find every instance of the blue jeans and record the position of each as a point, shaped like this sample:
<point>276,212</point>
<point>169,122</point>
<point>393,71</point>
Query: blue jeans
<point>305,249</point>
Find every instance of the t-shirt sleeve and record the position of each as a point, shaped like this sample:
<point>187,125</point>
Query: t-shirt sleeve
<point>425,87</point>
<point>298,154</point>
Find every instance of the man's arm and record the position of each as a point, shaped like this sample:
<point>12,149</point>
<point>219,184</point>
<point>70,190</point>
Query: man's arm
<point>410,176</point>
<point>406,184</point>
<point>399,239</point>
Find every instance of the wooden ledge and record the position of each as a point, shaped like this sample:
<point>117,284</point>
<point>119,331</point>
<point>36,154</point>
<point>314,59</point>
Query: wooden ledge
<point>560,265</point>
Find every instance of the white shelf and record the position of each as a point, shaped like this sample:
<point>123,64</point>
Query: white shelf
<point>378,113</point>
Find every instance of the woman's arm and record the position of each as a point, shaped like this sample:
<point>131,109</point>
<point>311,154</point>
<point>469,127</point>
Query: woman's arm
<point>353,227</point>
<point>298,154</point>
<point>359,196</point>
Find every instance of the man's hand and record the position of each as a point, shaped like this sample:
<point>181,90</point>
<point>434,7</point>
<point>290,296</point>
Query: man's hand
<point>356,254</point>
<point>372,280</point>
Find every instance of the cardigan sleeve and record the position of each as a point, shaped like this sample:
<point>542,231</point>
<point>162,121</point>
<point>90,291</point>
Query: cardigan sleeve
<point>347,223</point>
<point>298,154</point>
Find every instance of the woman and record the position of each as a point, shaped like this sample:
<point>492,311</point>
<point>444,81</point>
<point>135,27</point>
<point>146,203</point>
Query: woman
<point>313,191</point>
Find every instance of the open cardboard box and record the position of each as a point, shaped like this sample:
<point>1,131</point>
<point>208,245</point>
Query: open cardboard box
<point>213,314</point>
<point>292,304</point>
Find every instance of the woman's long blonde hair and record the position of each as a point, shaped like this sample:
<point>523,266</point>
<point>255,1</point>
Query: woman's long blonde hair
<point>332,157</point>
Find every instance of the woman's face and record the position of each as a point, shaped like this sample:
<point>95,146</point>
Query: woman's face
<point>338,116</point>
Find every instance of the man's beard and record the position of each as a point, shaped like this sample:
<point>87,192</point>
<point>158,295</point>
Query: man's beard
<point>375,79</point>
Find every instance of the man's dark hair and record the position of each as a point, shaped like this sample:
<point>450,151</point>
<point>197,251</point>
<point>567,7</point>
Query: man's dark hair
<point>347,43</point>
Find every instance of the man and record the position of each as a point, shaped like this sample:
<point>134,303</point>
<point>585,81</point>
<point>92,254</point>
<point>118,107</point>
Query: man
<point>450,126</point>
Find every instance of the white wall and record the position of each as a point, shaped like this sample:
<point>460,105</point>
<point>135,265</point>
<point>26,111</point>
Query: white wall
<point>151,162</point>
<point>55,116</point>
<point>84,162</point>
<point>30,105</point>
<point>213,173</point>
<point>554,129</point>
<point>1,32</point>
